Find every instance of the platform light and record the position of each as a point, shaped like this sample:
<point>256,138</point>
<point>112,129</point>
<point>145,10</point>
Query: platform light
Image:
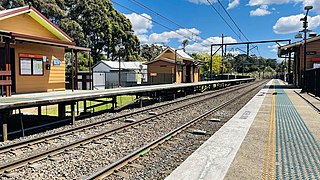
<point>308,7</point>
<point>312,34</point>
<point>298,36</point>
<point>305,30</point>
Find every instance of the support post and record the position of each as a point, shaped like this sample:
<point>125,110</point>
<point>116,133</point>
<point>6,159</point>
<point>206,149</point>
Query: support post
<point>159,96</point>
<point>85,106</point>
<point>222,48</point>
<point>114,103</point>
<point>247,58</point>
<point>140,102</point>
<point>175,66</point>
<point>76,70</point>
<point>39,112</point>
<point>211,63</point>
<point>4,122</point>
<point>289,67</point>
<point>73,114</point>
<point>7,64</point>
<point>72,71</point>
<point>61,110</point>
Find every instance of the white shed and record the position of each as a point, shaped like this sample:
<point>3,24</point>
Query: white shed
<point>106,74</point>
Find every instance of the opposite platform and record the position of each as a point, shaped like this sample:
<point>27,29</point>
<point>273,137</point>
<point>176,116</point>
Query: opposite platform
<point>34,99</point>
<point>277,139</point>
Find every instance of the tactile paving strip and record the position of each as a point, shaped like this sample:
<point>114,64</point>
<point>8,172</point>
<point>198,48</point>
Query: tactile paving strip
<point>297,151</point>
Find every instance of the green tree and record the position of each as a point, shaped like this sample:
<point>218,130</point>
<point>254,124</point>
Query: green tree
<point>149,52</point>
<point>92,23</point>
<point>185,43</point>
<point>205,67</point>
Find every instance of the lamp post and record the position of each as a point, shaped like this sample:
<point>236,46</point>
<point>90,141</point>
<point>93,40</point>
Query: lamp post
<point>305,30</point>
<point>119,48</point>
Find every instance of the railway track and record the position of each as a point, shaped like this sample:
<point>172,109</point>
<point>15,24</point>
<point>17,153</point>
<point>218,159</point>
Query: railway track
<point>89,126</point>
<point>114,167</point>
<point>37,156</point>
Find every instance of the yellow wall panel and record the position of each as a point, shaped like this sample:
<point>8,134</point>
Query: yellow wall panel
<point>52,80</point>
<point>26,25</point>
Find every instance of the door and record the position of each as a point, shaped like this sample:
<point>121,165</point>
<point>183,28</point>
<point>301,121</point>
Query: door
<point>188,74</point>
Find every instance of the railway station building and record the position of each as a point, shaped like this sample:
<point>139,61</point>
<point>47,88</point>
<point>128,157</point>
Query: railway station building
<point>173,66</point>
<point>295,51</point>
<point>32,52</point>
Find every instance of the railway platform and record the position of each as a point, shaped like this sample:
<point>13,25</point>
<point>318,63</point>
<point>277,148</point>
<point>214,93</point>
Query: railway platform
<point>276,135</point>
<point>62,99</point>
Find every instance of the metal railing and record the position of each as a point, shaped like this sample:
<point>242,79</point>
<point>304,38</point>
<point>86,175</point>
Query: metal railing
<point>5,82</point>
<point>313,81</point>
<point>83,81</point>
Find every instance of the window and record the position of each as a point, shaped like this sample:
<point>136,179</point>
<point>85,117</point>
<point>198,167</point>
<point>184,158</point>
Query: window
<point>31,66</point>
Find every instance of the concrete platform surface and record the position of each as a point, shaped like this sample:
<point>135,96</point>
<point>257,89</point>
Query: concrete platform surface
<point>61,96</point>
<point>276,135</point>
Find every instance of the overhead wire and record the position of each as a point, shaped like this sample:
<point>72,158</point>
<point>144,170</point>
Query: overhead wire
<point>164,26</point>
<point>224,20</point>
<point>163,17</point>
<point>225,10</point>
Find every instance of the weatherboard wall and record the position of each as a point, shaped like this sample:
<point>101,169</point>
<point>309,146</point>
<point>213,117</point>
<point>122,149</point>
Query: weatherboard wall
<point>311,47</point>
<point>51,80</point>
<point>25,24</point>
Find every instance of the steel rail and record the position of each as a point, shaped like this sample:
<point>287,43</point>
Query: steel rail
<point>57,150</point>
<point>110,169</point>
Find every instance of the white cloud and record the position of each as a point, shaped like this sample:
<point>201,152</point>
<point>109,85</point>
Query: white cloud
<point>261,11</point>
<point>314,3</point>
<point>268,2</point>
<point>274,48</point>
<point>233,4</point>
<point>140,25</point>
<point>165,37</point>
<point>204,46</point>
<point>291,24</point>
<point>201,1</point>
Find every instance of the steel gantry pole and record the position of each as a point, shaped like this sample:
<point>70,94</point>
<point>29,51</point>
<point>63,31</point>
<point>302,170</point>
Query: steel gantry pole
<point>211,63</point>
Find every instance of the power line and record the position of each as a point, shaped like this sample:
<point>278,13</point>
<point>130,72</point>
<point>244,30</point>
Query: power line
<point>236,24</point>
<point>232,20</point>
<point>224,19</point>
<point>163,17</point>
<point>151,20</point>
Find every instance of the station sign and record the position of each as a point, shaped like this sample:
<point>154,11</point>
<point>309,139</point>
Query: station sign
<point>311,52</point>
<point>153,74</point>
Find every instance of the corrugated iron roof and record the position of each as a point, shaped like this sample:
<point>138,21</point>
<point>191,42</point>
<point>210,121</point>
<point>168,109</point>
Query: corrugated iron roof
<point>125,65</point>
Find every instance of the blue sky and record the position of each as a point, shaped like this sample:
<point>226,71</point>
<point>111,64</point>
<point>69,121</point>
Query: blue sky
<point>257,19</point>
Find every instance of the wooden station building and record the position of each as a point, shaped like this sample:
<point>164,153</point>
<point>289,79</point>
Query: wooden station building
<point>163,70</point>
<point>32,52</point>
<point>296,51</point>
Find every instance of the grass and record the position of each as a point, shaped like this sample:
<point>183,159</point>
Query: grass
<point>52,110</point>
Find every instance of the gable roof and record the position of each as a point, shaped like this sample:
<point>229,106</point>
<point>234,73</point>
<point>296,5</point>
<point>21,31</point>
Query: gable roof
<point>161,59</point>
<point>180,53</point>
<point>37,16</point>
<point>114,65</point>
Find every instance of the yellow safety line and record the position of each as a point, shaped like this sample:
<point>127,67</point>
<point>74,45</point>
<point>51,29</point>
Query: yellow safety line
<point>269,162</point>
